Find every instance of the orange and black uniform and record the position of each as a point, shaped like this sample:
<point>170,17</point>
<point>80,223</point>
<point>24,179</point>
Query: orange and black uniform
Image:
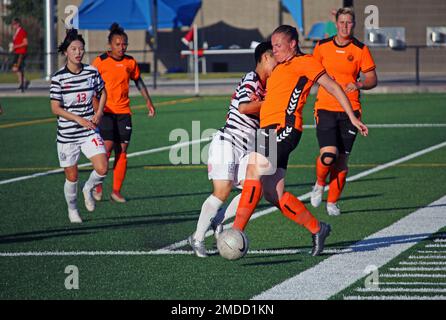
<point>343,64</point>
<point>287,91</point>
<point>116,124</point>
<point>281,120</point>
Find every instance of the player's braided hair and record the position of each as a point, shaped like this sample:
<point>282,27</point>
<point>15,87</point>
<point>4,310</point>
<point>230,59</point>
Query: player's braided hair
<point>71,36</point>
<point>291,33</point>
<point>116,30</point>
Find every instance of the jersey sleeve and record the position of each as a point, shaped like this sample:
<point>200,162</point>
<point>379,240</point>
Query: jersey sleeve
<point>313,69</point>
<point>96,63</point>
<point>247,87</point>
<point>317,52</point>
<point>98,83</point>
<point>135,73</point>
<point>55,89</point>
<point>367,62</point>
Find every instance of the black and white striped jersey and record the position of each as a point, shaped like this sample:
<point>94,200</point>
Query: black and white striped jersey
<point>240,128</point>
<point>75,93</point>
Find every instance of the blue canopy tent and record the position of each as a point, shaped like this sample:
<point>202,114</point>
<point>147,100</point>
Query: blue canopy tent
<point>149,15</point>
<point>295,8</point>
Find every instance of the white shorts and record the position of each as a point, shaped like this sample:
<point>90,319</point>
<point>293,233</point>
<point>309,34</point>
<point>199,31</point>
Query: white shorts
<point>226,162</point>
<point>69,153</point>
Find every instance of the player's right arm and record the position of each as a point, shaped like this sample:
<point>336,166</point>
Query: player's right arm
<point>334,89</point>
<point>57,109</point>
<point>252,107</point>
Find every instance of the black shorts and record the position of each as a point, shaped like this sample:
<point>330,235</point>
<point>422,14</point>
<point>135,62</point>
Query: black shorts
<point>283,142</point>
<point>116,127</point>
<point>19,61</point>
<point>336,129</point>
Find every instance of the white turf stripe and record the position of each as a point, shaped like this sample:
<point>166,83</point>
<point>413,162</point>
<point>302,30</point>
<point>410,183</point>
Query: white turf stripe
<point>431,251</point>
<point>178,145</point>
<point>422,263</point>
<point>308,194</point>
<point>436,246</point>
<point>412,275</point>
<point>130,155</point>
<point>428,257</point>
<point>412,284</point>
<point>417,269</point>
<point>395,297</point>
<point>414,290</point>
<point>338,271</point>
<point>144,253</point>
<point>394,125</point>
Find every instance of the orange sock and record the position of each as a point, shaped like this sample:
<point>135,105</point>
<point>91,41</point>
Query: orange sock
<point>321,172</point>
<point>119,171</point>
<point>251,194</point>
<point>337,183</point>
<point>295,210</point>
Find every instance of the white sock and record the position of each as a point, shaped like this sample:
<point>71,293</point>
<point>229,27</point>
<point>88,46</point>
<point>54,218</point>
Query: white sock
<point>93,180</point>
<point>70,191</point>
<point>232,208</point>
<point>225,213</point>
<point>208,211</point>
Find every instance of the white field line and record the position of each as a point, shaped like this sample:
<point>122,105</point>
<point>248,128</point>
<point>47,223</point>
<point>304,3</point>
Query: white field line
<point>412,275</point>
<point>187,143</point>
<point>392,297</point>
<point>410,290</point>
<point>394,125</point>
<point>143,253</point>
<point>130,155</point>
<point>422,263</point>
<point>337,272</point>
<point>412,284</point>
<point>427,257</point>
<point>272,209</point>
<point>417,269</point>
<point>307,195</point>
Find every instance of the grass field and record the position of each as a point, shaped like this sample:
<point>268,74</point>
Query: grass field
<point>117,248</point>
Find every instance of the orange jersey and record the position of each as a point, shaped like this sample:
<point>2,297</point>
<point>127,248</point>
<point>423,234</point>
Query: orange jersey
<point>116,75</point>
<point>287,89</point>
<point>343,64</point>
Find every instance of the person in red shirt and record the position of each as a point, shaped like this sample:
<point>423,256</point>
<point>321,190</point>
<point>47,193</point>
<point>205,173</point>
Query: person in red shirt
<point>117,68</point>
<point>344,58</point>
<point>19,48</point>
<point>281,128</point>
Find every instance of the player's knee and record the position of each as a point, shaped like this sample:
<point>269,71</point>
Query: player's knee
<point>102,169</point>
<point>222,193</point>
<point>328,158</point>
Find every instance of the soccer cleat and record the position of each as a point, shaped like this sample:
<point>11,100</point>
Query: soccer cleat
<point>89,200</point>
<point>74,216</point>
<point>198,247</point>
<point>333,209</point>
<point>97,192</point>
<point>218,229</point>
<point>319,238</point>
<point>316,195</point>
<point>117,197</point>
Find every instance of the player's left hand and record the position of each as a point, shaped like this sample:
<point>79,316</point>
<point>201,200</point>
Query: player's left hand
<point>151,112</point>
<point>362,128</point>
<point>351,87</point>
<point>97,118</point>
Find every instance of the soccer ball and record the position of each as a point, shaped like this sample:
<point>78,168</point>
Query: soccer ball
<point>232,244</point>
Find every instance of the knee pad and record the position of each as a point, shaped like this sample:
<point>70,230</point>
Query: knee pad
<point>328,155</point>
